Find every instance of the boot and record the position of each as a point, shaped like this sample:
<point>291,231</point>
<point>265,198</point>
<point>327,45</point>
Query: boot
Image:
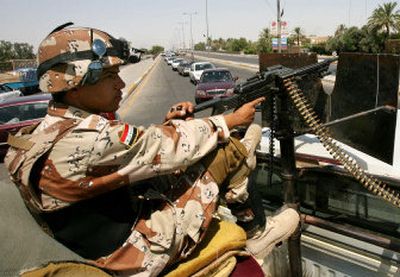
<point>277,229</point>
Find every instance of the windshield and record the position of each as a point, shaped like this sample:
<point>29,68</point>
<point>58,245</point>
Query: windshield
<point>204,66</point>
<point>216,76</point>
<point>13,114</point>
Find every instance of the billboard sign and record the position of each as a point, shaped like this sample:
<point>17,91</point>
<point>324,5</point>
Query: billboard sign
<point>283,43</point>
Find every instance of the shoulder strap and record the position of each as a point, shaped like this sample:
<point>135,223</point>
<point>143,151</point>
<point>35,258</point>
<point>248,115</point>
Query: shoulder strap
<point>26,144</point>
<point>20,142</point>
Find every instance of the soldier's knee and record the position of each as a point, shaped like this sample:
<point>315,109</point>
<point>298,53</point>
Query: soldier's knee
<point>225,160</point>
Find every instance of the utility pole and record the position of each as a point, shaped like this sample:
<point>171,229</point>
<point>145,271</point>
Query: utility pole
<point>207,46</point>
<point>279,26</point>
<point>191,27</point>
<point>183,34</point>
<point>349,12</point>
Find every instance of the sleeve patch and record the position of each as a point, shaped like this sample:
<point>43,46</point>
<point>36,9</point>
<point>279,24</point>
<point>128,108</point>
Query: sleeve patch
<point>129,135</point>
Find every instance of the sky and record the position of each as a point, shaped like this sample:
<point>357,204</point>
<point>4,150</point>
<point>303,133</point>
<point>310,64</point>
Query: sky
<point>162,22</point>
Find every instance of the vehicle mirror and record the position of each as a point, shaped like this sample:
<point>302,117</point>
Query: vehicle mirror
<point>235,78</point>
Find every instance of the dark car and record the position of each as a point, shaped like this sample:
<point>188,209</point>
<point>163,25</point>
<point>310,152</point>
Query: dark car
<point>27,82</point>
<point>20,112</point>
<point>214,83</point>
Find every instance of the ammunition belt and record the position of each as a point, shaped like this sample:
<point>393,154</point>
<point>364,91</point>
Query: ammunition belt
<point>350,164</point>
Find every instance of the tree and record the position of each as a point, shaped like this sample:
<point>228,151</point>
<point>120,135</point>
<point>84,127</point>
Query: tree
<point>201,46</point>
<point>9,51</point>
<point>371,41</point>
<point>6,51</point>
<point>351,39</point>
<point>385,18</point>
<point>264,42</point>
<point>240,44</point>
<point>23,51</point>
<point>251,48</point>
<point>218,44</point>
<point>298,33</point>
<point>236,45</point>
<point>340,30</point>
<point>156,49</point>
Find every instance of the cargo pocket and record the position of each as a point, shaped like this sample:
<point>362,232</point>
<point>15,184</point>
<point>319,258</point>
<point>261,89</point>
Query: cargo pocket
<point>191,220</point>
<point>162,224</point>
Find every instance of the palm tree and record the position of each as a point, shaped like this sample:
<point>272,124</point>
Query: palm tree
<point>385,18</point>
<point>340,30</point>
<point>264,44</point>
<point>299,34</point>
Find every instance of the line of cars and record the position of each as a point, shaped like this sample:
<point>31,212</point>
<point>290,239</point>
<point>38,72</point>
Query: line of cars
<point>211,82</point>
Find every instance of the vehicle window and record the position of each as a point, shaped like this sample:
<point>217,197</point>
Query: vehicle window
<point>13,114</point>
<point>208,66</point>
<point>4,88</point>
<point>216,76</point>
<point>204,66</point>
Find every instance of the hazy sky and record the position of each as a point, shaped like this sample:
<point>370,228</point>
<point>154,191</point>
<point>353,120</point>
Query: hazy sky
<point>150,22</point>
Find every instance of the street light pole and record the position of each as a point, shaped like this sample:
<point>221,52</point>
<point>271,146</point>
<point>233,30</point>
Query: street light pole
<point>191,27</point>
<point>178,35</point>
<point>183,34</point>
<point>207,25</point>
<point>279,26</point>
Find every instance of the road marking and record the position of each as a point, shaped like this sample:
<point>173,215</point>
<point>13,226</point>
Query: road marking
<point>136,87</point>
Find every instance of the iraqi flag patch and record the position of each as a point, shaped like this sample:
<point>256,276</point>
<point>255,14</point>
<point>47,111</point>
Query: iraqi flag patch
<point>129,135</point>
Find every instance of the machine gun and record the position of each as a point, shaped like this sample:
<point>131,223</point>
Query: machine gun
<point>279,79</point>
<point>263,84</point>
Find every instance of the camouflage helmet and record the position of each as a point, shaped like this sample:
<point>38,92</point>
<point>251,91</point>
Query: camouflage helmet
<point>65,54</point>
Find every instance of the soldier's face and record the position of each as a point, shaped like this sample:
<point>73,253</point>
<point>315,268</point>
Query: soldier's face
<point>105,95</point>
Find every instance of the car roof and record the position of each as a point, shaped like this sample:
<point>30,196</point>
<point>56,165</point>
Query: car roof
<point>30,98</point>
<point>216,69</point>
<point>196,63</point>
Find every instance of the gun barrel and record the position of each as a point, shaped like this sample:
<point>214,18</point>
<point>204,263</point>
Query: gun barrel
<point>317,67</point>
<point>205,105</point>
<point>263,84</point>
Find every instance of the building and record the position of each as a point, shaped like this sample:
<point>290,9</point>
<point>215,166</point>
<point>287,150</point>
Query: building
<point>318,40</point>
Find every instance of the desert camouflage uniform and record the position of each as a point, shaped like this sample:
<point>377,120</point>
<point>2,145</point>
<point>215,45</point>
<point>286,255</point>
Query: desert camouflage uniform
<point>97,156</point>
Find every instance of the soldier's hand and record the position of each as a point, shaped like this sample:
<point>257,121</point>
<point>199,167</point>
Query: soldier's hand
<point>243,116</point>
<point>182,110</point>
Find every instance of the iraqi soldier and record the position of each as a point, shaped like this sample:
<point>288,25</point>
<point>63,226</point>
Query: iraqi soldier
<point>79,173</point>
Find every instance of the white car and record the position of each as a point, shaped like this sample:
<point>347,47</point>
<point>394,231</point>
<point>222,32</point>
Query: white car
<point>6,92</point>
<point>170,60</point>
<point>169,56</point>
<point>176,62</point>
<point>196,69</point>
